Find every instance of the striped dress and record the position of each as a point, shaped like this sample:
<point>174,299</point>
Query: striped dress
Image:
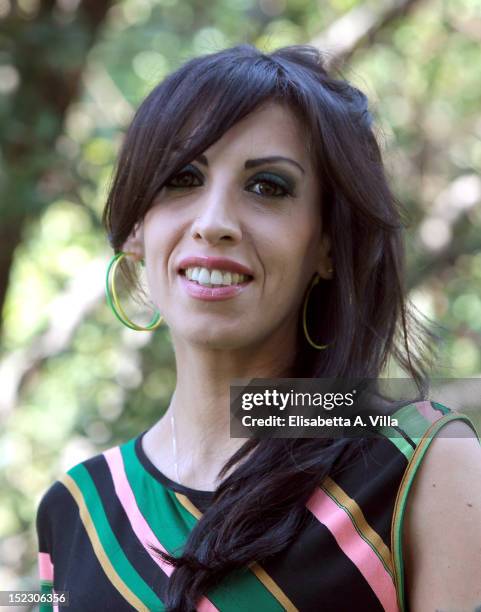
<point>95,523</point>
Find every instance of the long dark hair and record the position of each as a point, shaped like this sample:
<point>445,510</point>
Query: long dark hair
<point>362,313</point>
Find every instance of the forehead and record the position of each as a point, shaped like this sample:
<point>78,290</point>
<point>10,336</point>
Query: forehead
<point>270,129</point>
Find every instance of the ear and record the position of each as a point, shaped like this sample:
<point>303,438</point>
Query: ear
<point>134,245</point>
<point>324,267</point>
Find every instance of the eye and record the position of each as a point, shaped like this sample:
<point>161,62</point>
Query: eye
<point>183,179</point>
<point>271,187</point>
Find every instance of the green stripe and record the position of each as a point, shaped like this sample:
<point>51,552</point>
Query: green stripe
<point>109,542</point>
<point>399,516</point>
<point>157,504</point>
<point>440,407</point>
<point>46,588</point>
<point>399,442</point>
<point>172,523</point>
<point>412,423</point>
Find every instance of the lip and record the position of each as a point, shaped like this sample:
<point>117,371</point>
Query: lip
<point>213,263</point>
<point>211,294</point>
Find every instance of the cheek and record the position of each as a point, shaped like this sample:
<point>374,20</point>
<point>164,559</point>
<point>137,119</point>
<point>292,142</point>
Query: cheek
<point>159,245</point>
<point>287,253</point>
<point>160,237</point>
<point>281,295</point>
<point>290,274</point>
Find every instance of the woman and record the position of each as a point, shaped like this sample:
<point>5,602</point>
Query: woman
<point>252,189</point>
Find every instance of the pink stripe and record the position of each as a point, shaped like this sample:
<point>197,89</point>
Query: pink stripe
<point>356,548</point>
<point>140,526</point>
<point>426,410</point>
<point>45,570</point>
<point>45,566</point>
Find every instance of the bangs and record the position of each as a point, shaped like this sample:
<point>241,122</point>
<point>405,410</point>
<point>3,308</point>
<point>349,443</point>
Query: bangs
<point>208,103</point>
<point>193,108</point>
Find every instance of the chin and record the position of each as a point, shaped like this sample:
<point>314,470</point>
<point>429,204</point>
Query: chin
<point>213,338</point>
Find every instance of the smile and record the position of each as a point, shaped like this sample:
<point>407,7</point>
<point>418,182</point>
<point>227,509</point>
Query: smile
<point>214,278</point>
<point>211,292</point>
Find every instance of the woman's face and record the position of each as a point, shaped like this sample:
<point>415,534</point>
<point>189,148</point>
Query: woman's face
<point>265,216</point>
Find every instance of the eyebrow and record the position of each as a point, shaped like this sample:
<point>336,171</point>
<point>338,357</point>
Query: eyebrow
<point>252,163</point>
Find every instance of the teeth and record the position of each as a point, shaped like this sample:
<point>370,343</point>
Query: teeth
<point>204,277</point>
<point>214,277</point>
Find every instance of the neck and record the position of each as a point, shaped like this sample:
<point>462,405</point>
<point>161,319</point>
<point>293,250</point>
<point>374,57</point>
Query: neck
<point>200,406</point>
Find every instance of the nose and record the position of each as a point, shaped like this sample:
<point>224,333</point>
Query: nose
<point>217,220</point>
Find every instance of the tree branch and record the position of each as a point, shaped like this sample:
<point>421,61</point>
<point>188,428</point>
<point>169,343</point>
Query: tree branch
<point>48,84</point>
<point>67,311</point>
<point>359,28</point>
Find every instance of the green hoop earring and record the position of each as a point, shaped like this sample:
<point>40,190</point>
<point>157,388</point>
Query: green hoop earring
<point>315,280</point>
<point>114,302</point>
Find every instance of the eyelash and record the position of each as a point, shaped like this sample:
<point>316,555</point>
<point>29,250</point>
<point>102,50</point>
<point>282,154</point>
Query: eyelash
<point>261,178</point>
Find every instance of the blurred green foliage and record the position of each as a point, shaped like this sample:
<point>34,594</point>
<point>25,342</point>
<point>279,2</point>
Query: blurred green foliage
<point>92,383</point>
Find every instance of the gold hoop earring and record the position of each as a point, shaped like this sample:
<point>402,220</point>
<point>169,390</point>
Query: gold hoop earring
<point>114,302</point>
<point>314,281</point>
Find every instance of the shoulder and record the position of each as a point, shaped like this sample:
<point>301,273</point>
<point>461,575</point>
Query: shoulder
<point>53,499</point>
<point>62,495</point>
<point>441,532</point>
